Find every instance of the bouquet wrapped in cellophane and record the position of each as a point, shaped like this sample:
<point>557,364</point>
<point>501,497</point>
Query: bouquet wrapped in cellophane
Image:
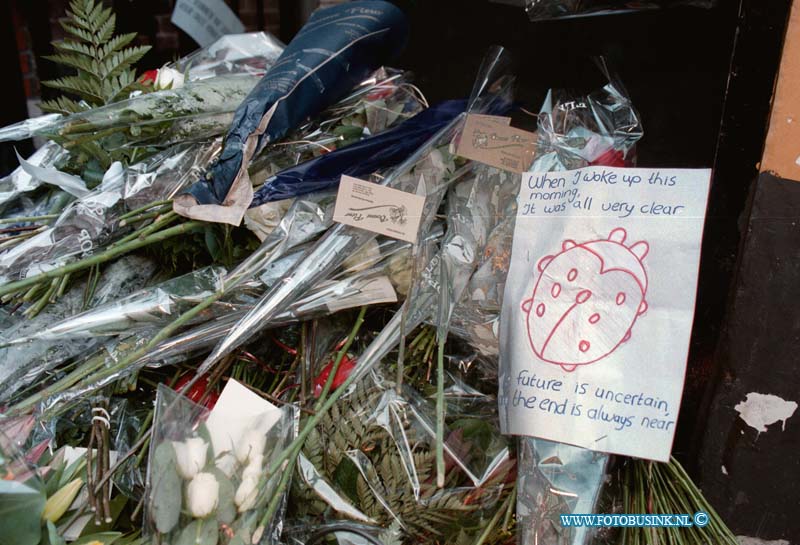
<point>196,352</point>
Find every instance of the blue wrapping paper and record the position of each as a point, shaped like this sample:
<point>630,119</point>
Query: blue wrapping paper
<point>337,49</point>
<point>361,158</point>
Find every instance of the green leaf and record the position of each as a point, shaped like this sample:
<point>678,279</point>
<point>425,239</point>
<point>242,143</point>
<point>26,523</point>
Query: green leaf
<point>165,496</point>
<point>212,243</point>
<point>199,532</point>
<point>53,538</point>
<point>21,506</point>
<point>106,538</point>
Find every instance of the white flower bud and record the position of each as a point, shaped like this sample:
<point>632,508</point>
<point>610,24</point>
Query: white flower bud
<point>202,495</point>
<point>168,78</point>
<point>246,495</point>
<point>190,456</point>
<point>255,468</point>
<point>252,444</point>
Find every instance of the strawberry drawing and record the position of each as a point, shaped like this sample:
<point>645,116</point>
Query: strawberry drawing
<point>586,300</point>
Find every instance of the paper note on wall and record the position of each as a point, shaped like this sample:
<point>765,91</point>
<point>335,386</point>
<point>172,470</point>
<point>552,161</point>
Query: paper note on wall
<point>205,20</point>
<point>599,305</point>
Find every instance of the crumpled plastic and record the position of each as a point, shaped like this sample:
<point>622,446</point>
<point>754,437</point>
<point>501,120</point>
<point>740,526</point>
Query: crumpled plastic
<point>379,470</point>
<point>250,53</point>
<point>429,171</point>
<point>336,49</point>
<point>360,159</point>
<point>553,9</point>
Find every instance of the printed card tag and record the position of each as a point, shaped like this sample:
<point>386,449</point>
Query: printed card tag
<point>492,141</point>
<point>206,20</point>
<point>379,209</point>
<point>598,307</point>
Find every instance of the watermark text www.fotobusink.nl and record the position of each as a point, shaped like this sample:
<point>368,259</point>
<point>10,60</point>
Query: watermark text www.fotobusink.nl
<point>699,519</point>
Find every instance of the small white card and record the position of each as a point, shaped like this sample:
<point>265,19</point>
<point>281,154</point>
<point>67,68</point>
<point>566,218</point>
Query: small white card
<point>379,209</point>
<point>237,410</point>
<point>205,20</point>
<point>599,305</point>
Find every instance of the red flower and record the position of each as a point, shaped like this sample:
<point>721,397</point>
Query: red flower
<point>611,158</point>
<point>149,77</point>
<point>345,368</point>
<point>198,391</point>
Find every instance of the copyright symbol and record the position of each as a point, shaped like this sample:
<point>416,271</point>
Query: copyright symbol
<point>701,519</point>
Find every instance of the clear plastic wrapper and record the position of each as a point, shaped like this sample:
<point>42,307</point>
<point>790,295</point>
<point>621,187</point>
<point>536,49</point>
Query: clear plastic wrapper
<point>196,111</point>
<point>429,171</point>
<point>336,49</point>
<point>379,470</point>
<point>604,130</point>
<point>94,220</point>
<point>557,479</point>
<point>360,159</point>
<point>251,53</point>
<point>20,182</point>
<point>377,103</point>
<point>163,175</point>
<point>28,128</point>
<point>553,9</point>
<point>206,477</point>
<point>25,363</point>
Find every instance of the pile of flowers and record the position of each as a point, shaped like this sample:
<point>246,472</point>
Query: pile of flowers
<point>194,352</point>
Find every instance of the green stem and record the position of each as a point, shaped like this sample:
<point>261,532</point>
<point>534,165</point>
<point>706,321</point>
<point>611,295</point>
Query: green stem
<point>108,255</point>
<point>166,219</point>
<point>340,356</point>
<point>27,219</point>
<point>144,208</point>
<point>492,523</point>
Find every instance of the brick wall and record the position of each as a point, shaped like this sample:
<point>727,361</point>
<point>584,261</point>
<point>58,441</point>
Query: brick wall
<point>150,19</point>
<point>27,60</point>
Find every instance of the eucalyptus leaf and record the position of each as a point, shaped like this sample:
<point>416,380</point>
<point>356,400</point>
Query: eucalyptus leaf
<point>21,506</point>
<point>53,538</point>
<point>226,508</point>
<point>165,495</point>
<point>199,532</point>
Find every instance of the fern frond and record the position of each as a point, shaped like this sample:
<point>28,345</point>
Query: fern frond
<point>115,44</point>
<point>71,46</point>
<point>104,62</point>
<point>79,62</point>
<point>62,105</point>
<point>77,86</point>
<point>106,29</point>
<point>78,32</point>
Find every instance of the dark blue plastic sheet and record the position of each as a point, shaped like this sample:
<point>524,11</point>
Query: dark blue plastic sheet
<point>337,49</point>
<point>360,159</point>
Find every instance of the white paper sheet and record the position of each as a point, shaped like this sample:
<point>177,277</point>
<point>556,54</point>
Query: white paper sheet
<point>205,20</point>
<point>599,305</point>
<point>237,410</point>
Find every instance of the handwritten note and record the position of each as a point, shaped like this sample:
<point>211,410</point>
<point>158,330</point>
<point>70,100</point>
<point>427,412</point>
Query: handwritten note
<point>492,141</point>
<point>379,209</point>
<point>599,305</point>
<point>205,20</point>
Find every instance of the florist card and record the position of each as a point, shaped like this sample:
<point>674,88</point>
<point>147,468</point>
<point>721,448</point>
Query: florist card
<point>599,305</point>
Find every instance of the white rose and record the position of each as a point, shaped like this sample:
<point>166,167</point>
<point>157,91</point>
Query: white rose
<point>168,78</point>
<point>190,456</point>
<point>251,444</point>
<point>255,468</point>
<point>202,495</point>
<point>246,495</point>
